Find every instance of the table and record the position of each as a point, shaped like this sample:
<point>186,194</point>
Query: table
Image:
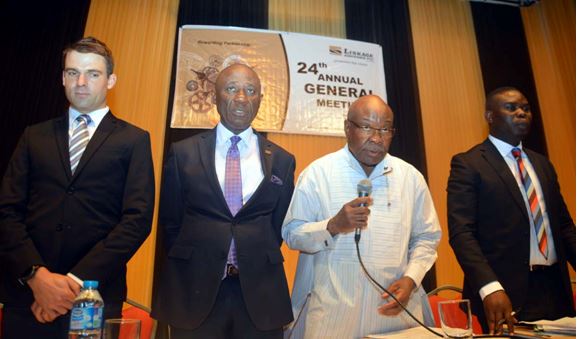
<point>421,333</point>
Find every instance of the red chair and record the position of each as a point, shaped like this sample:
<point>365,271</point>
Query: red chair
<point>434,300</point>
<point>141,312</point>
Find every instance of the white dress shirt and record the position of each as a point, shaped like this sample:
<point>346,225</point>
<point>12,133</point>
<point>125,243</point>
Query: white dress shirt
<point>536,257</point>
<point>401,239</point>
<point>249,159</point>
<point>95,119</point>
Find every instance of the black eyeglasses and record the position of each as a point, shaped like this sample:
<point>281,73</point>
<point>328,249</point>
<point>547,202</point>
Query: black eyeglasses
<point>368,130</point>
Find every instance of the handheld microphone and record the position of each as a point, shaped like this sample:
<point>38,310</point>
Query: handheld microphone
<point>364,189</point>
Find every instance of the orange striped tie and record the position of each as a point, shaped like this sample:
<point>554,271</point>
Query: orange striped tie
<point>533,202</point>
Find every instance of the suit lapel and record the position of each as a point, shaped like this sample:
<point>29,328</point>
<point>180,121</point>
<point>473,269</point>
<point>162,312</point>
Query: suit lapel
<point>207,147</point>
<point>266,161</point>
<point>61,133</point>
<point>265,149</point>
<point>105,128</point>
<point>495,160</point>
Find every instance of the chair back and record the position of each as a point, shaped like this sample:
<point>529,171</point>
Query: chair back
<point>141,312</point>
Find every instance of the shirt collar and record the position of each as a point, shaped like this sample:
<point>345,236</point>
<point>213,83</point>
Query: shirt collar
<point>381,168</point>
<point>223,135</point>
<point>503,147</point>
<point>96,116</point>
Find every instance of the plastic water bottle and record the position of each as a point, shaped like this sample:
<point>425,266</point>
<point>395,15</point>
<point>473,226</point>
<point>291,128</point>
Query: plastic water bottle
<point>86,314</point>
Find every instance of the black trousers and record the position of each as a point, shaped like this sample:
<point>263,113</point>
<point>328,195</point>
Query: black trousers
<point>228,318</point>
<point>18,322</point>
<point>545,298</point>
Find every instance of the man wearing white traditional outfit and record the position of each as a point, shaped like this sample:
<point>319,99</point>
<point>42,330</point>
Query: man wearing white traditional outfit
<point>332,296</point>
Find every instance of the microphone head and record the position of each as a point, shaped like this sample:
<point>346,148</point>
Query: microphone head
<point>364,188</point>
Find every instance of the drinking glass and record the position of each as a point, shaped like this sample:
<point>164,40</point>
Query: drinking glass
<point>456,320</point>
<point>122,329</point>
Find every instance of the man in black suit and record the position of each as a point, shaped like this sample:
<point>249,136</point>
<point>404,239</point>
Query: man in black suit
<point>76,203</point>
<point>224,195</point>
<point>508,224</point>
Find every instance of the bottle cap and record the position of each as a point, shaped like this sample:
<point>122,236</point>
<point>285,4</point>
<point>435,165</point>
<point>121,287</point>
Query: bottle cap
<point>90,284</point>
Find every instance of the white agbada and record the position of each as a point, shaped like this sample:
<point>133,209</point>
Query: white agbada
<point>332,297</point>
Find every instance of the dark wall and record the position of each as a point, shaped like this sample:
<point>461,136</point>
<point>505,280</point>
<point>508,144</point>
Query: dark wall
<point>505,60</point>
<point>33,36</point>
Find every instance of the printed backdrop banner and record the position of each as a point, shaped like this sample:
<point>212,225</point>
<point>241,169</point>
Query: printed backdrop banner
<point>308,81</point>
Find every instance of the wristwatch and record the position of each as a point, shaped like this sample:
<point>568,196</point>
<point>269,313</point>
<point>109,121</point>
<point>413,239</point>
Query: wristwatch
<point>29,274</point>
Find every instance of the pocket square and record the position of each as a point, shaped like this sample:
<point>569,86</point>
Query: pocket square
<point>275,180</point>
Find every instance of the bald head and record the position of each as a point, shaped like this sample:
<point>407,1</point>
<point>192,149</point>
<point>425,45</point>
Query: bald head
<point>368,103</point>
<point>369,130</point>
<point>236,68</point>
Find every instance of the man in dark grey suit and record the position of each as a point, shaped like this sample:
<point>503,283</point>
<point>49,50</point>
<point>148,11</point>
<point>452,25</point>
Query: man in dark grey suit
<point>508,223</point>
<point>224,196</point>
<point>76,203</point>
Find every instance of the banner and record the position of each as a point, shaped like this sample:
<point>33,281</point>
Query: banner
<point>308,82</point>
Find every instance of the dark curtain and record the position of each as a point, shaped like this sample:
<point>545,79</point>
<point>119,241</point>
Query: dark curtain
<point>240,13</point>
<point>33,35</point>
<point>505,59</point>
<point>387,23</point>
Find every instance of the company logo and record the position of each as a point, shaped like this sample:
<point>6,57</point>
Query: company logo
<point>350,53</point>
<point>335,50</point>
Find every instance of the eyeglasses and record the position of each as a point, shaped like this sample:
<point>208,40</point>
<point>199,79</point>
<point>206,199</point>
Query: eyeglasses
<point>368,130</point>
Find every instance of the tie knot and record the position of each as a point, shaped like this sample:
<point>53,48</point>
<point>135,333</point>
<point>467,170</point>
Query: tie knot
<point>83,117</point>
<point>234,140</point>
<point>516,152</point>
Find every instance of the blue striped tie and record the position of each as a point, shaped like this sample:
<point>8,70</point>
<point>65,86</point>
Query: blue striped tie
<point>79,140</point>
<point>531,195</point>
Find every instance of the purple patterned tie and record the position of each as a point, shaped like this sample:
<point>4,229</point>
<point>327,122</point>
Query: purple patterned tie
<point>233,189</point>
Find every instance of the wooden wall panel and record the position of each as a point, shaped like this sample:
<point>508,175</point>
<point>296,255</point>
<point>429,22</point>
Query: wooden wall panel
<point>550,31</point>
<point>452,101</point>
<point>141,36</point>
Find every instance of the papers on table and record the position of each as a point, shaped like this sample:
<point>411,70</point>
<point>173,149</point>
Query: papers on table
<point>561,326</point>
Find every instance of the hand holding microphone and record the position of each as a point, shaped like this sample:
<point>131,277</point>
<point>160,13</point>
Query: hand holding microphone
<point>364,189</point>
<point>354,214</point>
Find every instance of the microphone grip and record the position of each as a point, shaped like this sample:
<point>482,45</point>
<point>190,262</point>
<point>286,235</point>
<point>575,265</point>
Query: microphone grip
<point>358,230</point>
<point>362,195</point>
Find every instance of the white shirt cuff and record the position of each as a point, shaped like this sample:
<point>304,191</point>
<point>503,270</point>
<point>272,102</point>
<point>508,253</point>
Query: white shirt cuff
<point>75,278</point>
<point>491,287</point>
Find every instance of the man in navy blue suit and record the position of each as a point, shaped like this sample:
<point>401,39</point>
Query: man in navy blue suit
<point>508,223</point>
<point>76,203</point>
<point>224,275</point>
